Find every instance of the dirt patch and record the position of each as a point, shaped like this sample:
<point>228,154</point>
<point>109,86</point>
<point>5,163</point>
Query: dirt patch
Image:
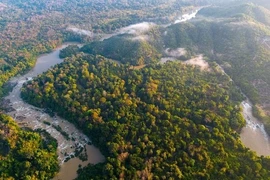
<point>198,61</point>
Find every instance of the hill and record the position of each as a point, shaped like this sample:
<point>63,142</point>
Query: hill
<point>125,49</point>
<point>26,154</point>
<point>162,121</point>
<point>169,121</point>
<point>30,28</point>
<point>249,11</point>
<point>236,37</point>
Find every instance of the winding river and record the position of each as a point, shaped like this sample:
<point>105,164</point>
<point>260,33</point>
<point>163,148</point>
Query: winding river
<point>29,116</point>
<point>253,134</point>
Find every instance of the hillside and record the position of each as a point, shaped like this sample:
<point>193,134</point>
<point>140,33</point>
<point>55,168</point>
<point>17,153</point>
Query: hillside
<point>247,11</point>
<point>168,120</point>
<point>234,36</point>
<point>237,40</point>
<point>264,3</point>
<point>31,28</point>
<point>26,154</point>
<point>125,49</point>
<point>161,121</point>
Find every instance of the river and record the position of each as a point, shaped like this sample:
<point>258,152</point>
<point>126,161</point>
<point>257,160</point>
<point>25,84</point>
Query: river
<point>29,116</point>
<point>188,16</point>
<point>253,135</point>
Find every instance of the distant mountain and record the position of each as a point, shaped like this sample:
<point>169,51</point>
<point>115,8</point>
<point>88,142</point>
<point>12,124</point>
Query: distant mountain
<point>246,11</point>
<point>264,3</point>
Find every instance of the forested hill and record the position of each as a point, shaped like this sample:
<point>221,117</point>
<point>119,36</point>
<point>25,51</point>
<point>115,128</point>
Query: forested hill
<point>26,154</point>
<point>30,28</point>
<point>236,36</point>
<point>250,11</point>
<point>162,121</point>
<point>125,49</point>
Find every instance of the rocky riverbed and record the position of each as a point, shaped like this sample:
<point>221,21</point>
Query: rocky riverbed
<point>71,141</point>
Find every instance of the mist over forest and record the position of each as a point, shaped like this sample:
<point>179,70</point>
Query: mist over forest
<point>134,89</point>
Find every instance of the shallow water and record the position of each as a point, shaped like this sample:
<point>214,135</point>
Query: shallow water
<point>67,169</point>
<point>253,135</point>
<point>29,116</point>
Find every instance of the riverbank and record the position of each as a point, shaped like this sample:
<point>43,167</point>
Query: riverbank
<point>253,135</point>
<point>40,119</point>
<point>259,113</point>
<point>35,118</point>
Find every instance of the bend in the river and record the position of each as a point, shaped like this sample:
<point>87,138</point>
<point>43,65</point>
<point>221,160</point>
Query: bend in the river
<point>253,134</point>
<point>29,116</point>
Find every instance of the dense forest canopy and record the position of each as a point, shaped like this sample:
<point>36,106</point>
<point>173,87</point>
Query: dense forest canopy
<point>158,122</point>
<point>235,36</point>
<point>25,154</point>
<point>30,28</point>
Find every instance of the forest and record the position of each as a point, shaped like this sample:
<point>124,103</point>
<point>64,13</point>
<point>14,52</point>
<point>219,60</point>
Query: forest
<point>159,122</point>
<point>25,154</point>
<point>234,36</point>
<point>163,121</point>
<point>237,39</point>
<point>29,28</point>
